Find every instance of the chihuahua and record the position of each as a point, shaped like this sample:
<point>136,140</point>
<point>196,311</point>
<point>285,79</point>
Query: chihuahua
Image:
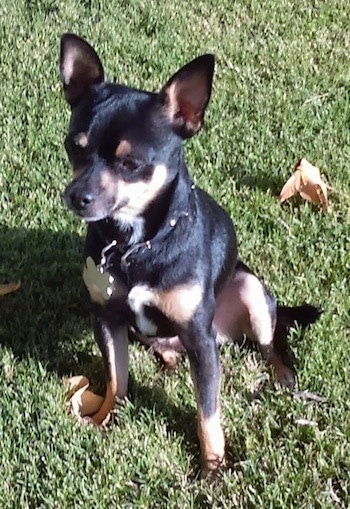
<point>161,255</point>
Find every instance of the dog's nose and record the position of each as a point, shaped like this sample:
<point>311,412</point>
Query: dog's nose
<point>81,201</point>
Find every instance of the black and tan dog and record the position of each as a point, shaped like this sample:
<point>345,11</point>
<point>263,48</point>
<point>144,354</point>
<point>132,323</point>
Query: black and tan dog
<point>161,255</point>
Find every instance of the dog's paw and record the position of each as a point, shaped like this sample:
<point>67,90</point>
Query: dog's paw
<point>212,470</point>
<point>285,376</point>
<point>168,358</point>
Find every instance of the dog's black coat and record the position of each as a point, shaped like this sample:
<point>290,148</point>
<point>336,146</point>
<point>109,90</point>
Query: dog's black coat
<point>174,243</point>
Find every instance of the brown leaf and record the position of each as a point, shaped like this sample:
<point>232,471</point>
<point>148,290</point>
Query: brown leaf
<point>85,403</point>
<point>72,384</point>
<point>306,181</point>
<point>290,187</point>
<point>9,288</point>
<point>81,401</point>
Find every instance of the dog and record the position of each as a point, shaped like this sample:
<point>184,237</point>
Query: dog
<point>161,255</point>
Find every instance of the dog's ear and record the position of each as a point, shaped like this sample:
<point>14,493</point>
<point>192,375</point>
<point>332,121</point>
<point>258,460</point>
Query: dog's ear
<point>80,67</point>
<point>186,95</point>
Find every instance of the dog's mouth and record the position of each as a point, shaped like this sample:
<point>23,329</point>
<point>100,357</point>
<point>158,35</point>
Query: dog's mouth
<point>89,216</point>
<point>91,208</point>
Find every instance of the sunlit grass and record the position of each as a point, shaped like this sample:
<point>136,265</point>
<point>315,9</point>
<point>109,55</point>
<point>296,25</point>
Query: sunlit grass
<point>281,92</point>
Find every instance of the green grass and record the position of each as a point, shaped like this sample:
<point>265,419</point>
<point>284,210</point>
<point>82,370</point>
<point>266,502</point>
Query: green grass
<point>282,92</point>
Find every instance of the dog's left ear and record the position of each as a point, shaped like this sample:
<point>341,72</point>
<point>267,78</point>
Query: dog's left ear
<point>186,95</point>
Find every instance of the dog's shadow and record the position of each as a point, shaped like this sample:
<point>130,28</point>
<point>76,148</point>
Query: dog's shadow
<point>49,318</point>
<point>45,317</point>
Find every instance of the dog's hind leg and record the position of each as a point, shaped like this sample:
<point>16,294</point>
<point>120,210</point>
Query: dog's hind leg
<point>245,306</point>
<point>169,350</point>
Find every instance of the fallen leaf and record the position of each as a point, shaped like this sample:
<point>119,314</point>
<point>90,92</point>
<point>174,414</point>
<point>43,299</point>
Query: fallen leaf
<point>72,384</point>
<point>306,181</point>
<point>85,403</point>
<point>9,288</point>
<point>81,402</point>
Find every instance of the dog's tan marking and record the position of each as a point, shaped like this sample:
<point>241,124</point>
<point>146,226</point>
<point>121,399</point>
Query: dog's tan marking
<point>108,181</point>
<point>210,434</point>
<point>211,438</point>
<point>138,195</point>
<point>80,140</point>
<point>117,382</point>
<point>180,303</point>
<point>77,172</point>
<point>123,149</point>
<point>135,195</point>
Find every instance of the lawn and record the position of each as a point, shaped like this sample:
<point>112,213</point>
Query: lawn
<point>281,92</point>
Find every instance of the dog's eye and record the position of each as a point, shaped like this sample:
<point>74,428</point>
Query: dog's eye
<point>130,164</point>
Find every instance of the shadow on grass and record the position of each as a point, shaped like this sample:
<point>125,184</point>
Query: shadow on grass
<point>181,419</point>
<point>49,318</point>
<point>262,180</point>
<point>46,317</point>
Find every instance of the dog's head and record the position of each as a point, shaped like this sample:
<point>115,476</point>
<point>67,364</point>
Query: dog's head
<point>124,144</point>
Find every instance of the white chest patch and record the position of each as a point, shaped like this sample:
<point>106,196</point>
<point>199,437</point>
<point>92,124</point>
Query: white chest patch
<point>139,297</point>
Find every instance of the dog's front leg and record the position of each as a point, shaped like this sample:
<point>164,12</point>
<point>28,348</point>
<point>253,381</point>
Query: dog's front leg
<point>112,339</point>
<point>205,370</point>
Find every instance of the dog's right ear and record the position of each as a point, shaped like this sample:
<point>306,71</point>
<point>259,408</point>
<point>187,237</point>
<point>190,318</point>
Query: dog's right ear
<point>80,67</point>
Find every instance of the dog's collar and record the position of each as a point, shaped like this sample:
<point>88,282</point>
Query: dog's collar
<point>99,275</point>
<point>127,250</point>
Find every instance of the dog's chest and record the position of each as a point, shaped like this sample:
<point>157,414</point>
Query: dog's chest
<point>141,300</point>
<point>153,310</point>
<point>107,289</point>
<point>157,310</point>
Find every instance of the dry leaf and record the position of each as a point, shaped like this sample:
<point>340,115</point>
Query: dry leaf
<point>9,288</point>
<point>81,401</point>
<point>85,403</point>
<point>306,181</point>
<point>72,384</point>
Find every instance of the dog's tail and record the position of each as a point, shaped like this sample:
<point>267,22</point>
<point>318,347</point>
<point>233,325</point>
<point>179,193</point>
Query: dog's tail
<point>302,316</point>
